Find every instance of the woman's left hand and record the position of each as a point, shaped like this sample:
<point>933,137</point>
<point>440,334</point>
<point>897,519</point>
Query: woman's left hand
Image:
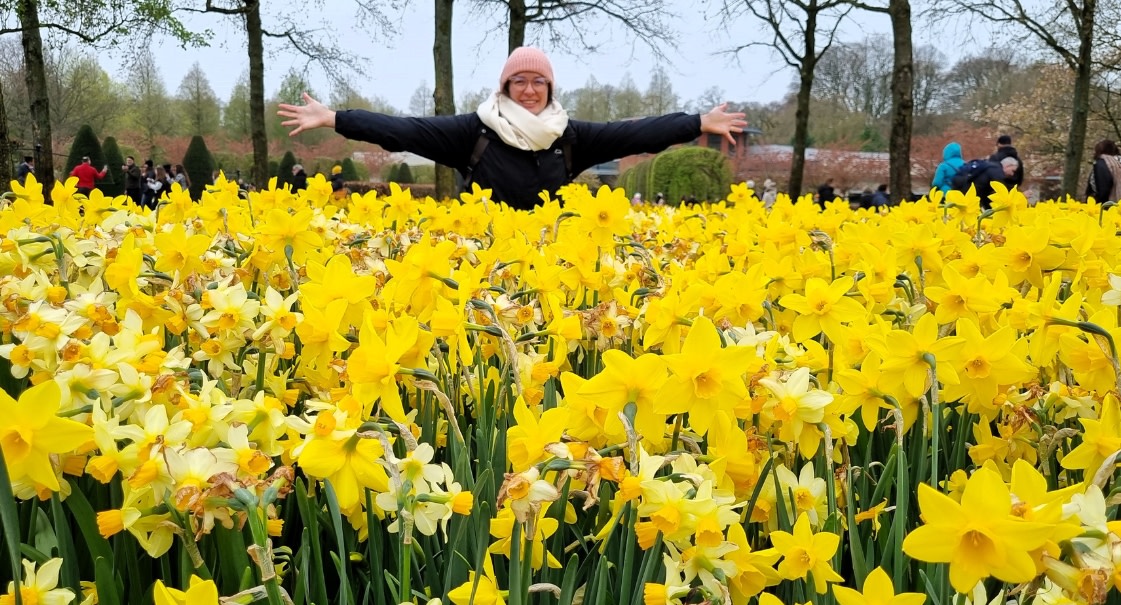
<point>718,121</point>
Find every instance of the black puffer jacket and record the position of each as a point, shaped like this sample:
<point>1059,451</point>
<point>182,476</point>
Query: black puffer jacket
<point>517,176</point>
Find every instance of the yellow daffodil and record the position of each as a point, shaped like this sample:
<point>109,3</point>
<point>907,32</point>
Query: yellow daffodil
<point>39,585</point>
<point>200,592</point>
<point>30,432</point>
<point>706,377</point>
<point>823,308</point>
<point>804,552</point>
<point>978,537</point>
<point>878,590</point>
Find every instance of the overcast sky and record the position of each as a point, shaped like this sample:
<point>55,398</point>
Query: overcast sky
<point>396,66</point>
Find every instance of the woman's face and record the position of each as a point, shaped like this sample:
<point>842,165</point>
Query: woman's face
<point>530,90</point>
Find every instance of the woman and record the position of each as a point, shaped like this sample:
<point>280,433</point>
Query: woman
<point>951,162</point>
<point>520,141</point>
<point>1104,184</point>
<point>157,186</point>
<point>179,175</point>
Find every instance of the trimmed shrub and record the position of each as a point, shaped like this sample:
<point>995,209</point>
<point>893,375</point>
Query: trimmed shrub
<point>642,179</point>
<point>284,169</point>
<point>350,173</point>
<point>689,171</point>
<point>199,165</point>
<point>86,144</point>
<point>114,182</point>
<point>404,174</point>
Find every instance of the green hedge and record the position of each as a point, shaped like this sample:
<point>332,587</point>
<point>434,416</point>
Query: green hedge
<point>679,173</point>
<point>199,165</point>
<point>114,183</point>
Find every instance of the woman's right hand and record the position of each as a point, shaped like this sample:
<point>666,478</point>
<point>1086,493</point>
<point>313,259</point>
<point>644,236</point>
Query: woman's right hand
<point>312,114</point>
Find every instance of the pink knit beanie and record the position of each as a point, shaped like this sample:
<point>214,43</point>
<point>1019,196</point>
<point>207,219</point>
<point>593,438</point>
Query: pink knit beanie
<point>526,58</point>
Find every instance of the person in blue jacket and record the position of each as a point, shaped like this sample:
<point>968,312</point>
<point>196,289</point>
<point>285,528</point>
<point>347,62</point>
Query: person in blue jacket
<point>520,141</point>
<point>951,161</point>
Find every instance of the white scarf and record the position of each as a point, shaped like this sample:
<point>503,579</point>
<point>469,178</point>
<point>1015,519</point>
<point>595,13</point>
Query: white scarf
<point>518,127</point>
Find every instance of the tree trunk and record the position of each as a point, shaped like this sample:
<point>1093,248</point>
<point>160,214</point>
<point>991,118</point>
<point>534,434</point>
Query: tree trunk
<point>801,134</point>
<point>1080,107</point>
<point>443,94</point>
<point>517,24</point>
<point>253,30</point>
<point>36,76</point>
<point>802,112</point>
<point>6,173</point>
<point>902,100</point>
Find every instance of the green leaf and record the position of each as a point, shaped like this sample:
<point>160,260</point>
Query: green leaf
<point>108,592</point>
<point>86,519</point>
<point>341,556</point>
<point>69,576</point>
<point>9,522</point>
<point>568,585</point>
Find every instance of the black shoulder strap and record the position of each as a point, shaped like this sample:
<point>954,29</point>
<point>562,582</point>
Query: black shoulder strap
<point>476,155</point>
<point>566,148</point>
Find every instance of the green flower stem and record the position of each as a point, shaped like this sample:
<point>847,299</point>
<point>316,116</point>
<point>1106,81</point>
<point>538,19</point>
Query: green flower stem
<point>263,549</point>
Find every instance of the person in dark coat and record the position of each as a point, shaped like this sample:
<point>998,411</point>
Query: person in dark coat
<point>132,179</point>
<point>337,180</point>
<point>1104,184</point>
<point>1000,172</point>
<point>299,178</point>
<point>880,198</point>
<point>520,141</point>
<point>1004,149</point>
<point>24,169</point>
<point>826,193</point>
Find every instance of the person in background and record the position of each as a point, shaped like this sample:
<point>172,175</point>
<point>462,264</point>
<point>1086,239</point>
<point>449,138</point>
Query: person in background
<point>636,199</point>
<point>951,162</point>
<point>25,168</point>
<point>299,178</point>
<point>994,172</point>
<point>1004,149</point>
<point>337,181</point>
<point>179,175</point>
<point>156,186</point>
<point>1104,184</point>
<point>826,193</point>
<point>147,175</point>
<point>520,140</point>
<point>770,193</point>
<point>132,179</point>
<point>88,175</point>
<point>880,198</point>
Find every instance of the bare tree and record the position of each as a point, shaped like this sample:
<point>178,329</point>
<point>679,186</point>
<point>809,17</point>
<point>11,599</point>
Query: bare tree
<point>421,103</point>
<point>902,91</point>
<point>660,97</point>
<point>198,105</point>
<point>930,79</point>
<point>151,111</point>
<point>564,22</point>
<point>978,82</point>
<point>1065,28</point>
<point>801,31</point>
<point>443,96</point>
<point>857,76</point>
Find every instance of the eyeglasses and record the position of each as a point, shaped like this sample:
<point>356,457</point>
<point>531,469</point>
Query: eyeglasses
<point>522,82</point>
